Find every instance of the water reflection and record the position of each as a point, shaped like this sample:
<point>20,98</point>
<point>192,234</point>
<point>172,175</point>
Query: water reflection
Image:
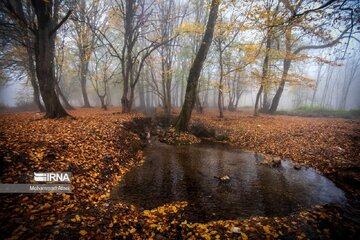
<point>186,173</point>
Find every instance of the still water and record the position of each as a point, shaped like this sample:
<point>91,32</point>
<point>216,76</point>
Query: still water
<point>188,173</point>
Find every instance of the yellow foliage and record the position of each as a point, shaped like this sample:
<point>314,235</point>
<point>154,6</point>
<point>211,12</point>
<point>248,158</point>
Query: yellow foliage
<point>267,229</point>
<point>297,79</point>
<point>192,28</point>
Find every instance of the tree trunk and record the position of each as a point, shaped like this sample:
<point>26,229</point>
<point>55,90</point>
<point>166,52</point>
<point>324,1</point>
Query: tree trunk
<point>256,111</point>
<point>237,101</point>
<point>142,95</point>
<point>345,96</point>
<point>166,84</point>
<point>168,93</point>
<point>265,105</point>
<point>232,95</point>
<point>198,106</point>
<point>276,99</point>
<point>83,75</point>
<point>31,62</point>
<point>85,41</point>
<point>102,100</point>
<point>125,103</point>
<point>183,120</point>
<point>182,88</point>
<point>32,75</point>
<point>318,78</point>
<point>220,103</point>
<point>131,98</point>
<point>175,96</point>
<point>44,53</point>
<point>182,91</point>
<point>62,97</point>
<point>127,63</point>
<point>239,92</point>
<point>287,64</point>
<point>327,84</point>
<point>220,90</point>
<point>348,82</point>
<point>264,73</point>
<point>148,104</point>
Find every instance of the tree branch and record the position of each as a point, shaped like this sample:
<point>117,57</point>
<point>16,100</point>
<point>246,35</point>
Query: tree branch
<point>330,44</point>
<point>60,23</point>
<point>328,3</point>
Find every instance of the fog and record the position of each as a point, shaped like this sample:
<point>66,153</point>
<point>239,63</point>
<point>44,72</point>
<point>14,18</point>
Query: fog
<point>328,78</point>
<point>327,96</point>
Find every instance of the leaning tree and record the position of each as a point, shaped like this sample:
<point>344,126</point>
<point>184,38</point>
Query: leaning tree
<point>183,120</point>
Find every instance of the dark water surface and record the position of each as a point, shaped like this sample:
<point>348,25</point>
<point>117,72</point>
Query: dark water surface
<point>186,173</point>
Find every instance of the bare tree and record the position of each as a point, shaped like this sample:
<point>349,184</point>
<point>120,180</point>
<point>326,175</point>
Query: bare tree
<point>87,16</point>
<point>59,64</point>
<point>101,75</point>
<point>170,18</point>
<point>271,15</point>
<point>223,40</point>
<point>140,39</point>
<point>352,69</point>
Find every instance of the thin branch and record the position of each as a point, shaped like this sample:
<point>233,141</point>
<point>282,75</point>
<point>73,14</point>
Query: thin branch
<point>330,44</point>
<point>60,23</point>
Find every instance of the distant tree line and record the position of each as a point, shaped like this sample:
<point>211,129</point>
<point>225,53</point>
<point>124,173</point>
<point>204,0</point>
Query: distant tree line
<point>171,52</point>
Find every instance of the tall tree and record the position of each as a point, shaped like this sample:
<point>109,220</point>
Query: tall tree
<point>183,120</point>
<point>265,72</point>
<point>16,37</point>
<point>103,70</point>
<point>351,70</point>
<point>44,45</point>
<point>300,22</point>
<point>140,40</point>
<point>271,13</point>
<point>166,52</point>
<point>86,16</point>
<point>225,35</point>
<point>59,66</point>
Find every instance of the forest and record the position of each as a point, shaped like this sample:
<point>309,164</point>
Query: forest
<point>199,119</point>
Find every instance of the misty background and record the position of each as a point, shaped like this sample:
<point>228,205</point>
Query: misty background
<point>333,83</point>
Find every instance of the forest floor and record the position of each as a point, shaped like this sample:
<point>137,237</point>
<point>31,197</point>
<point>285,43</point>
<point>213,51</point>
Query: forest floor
<point>98,150</point>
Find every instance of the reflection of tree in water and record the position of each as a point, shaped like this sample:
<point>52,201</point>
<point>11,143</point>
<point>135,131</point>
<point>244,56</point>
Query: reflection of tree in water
<point>188,161</point>
<point>186,173</point>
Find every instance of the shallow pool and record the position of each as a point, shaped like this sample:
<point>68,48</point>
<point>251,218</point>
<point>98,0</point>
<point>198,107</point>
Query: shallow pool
<point>188,173</point>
